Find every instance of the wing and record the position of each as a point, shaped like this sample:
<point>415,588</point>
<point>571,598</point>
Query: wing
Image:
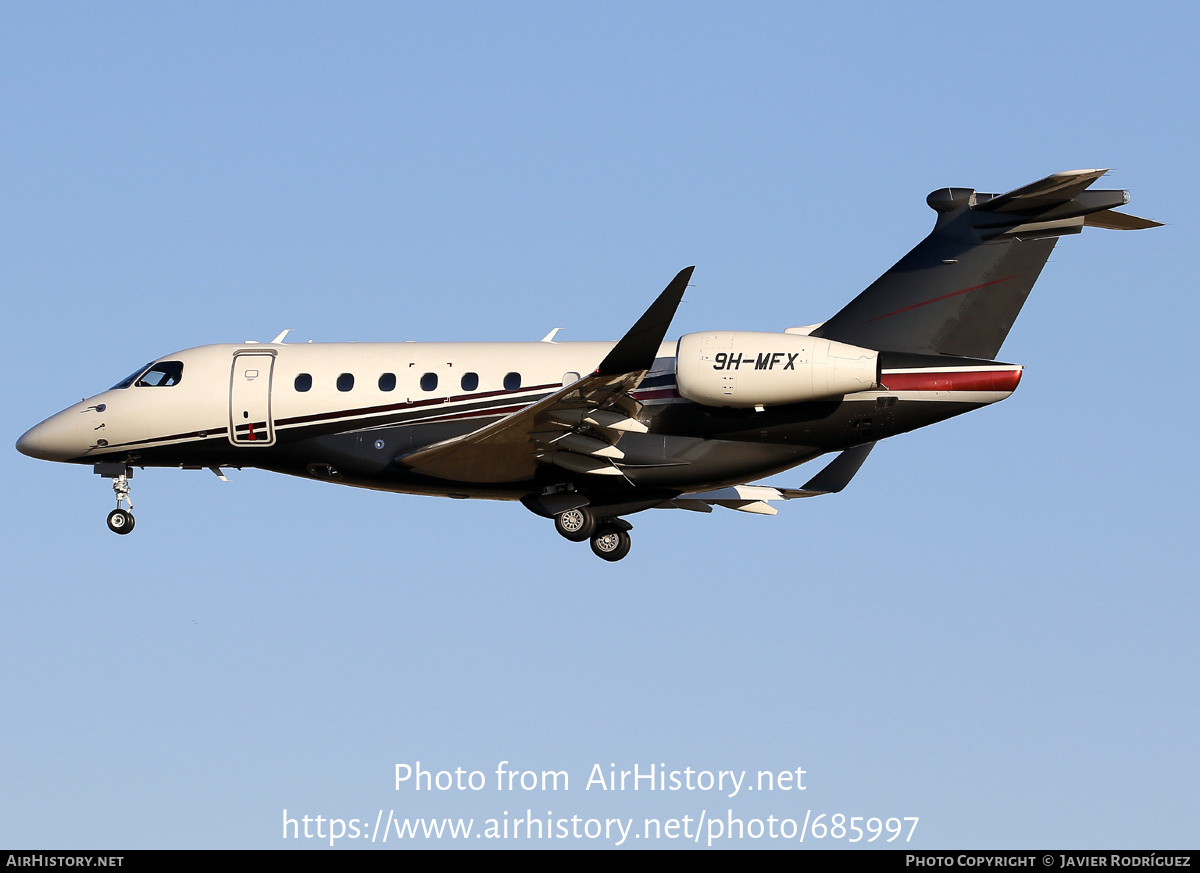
<point>757,499</point>
<point>510,449</point>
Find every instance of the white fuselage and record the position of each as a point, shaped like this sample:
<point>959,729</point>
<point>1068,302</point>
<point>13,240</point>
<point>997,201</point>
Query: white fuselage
<point>352,412</point>
<point>226,386</point>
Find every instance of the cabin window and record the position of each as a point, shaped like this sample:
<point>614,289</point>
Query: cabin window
<point>429,382</point>
<point>345,381</point>
<point>162,374</point>
<point>470,381</point>
<point>512,381</point>
<point>387,382</point>
<point>304,382</point>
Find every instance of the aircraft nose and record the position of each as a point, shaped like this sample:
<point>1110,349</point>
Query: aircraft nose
<point>30,442</point>
<point>55,439</point>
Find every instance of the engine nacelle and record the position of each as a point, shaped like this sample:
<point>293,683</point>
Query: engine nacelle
<point>742,369</point>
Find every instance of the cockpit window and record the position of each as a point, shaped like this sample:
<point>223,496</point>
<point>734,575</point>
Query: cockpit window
<point>128,380</point>
<point>161,375</point>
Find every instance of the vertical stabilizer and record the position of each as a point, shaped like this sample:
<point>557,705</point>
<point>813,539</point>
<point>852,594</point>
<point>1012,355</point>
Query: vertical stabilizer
<point>960,290</point>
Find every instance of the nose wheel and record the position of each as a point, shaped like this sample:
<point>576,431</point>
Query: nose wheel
<point>120,520</point>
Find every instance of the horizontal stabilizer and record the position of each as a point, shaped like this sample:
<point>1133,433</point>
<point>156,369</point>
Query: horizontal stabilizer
<point>960,290</point>
<point>1110,219</point>
<point>1044,193</point>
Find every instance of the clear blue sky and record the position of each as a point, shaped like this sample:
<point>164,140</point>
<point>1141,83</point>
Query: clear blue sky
<point>993,629</point>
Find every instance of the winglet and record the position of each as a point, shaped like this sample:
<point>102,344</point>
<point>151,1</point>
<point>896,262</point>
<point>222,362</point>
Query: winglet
<point>837,474</point>
<point>638,348</point>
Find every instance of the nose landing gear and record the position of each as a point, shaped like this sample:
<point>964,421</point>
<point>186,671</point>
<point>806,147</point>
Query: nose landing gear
<point>119,520</point>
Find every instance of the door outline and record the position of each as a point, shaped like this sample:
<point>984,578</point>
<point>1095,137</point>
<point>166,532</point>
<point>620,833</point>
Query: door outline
<point>250,421</point>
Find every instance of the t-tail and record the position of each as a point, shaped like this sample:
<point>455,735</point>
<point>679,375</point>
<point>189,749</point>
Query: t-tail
<point>960,290</point>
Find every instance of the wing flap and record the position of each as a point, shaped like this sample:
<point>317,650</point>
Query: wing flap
<point>506,450</point>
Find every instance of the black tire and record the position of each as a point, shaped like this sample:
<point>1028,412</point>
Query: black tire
<point>120,521</point>
<point>610,542</point>
<point>576,525</point>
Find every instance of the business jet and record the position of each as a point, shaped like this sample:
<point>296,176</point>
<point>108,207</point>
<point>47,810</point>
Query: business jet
<point>587,433</point>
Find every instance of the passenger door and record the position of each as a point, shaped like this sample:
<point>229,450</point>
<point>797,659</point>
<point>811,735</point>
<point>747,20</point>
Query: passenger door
<point>250,400</point>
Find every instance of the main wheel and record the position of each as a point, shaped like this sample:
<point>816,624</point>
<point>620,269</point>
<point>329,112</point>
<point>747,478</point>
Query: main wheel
<point>120,521</point>
<point>576,525</point>
<point>611,543</point>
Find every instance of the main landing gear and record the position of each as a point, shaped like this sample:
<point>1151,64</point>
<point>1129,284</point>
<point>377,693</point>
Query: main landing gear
<point>576,525</point>
<point>119,520</point>
<point>611,542</point>
<point>609,536</point>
